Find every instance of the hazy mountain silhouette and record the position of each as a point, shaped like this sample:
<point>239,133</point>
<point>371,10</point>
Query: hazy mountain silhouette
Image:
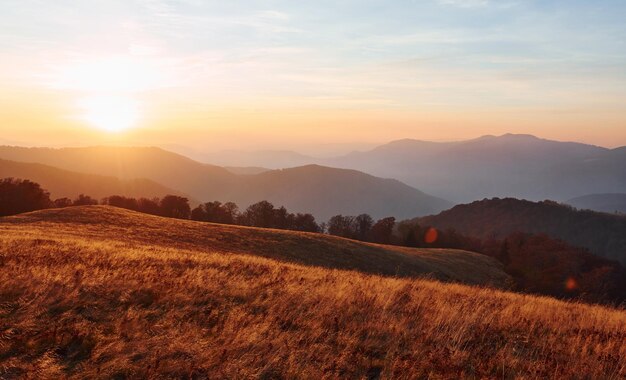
<point>273,159</point>
<point>521,166</point>
<point>63,183</point>
<point>320,190</point>
<point>169,169</point>
<point>246,169</point>
<point>610,203</point>
<point>603,234</point>
<point>328,191</point>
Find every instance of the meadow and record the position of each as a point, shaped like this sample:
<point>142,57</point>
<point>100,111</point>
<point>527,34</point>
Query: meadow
<point>99,292</point>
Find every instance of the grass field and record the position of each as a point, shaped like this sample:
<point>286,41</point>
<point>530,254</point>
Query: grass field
<point>97,292</point>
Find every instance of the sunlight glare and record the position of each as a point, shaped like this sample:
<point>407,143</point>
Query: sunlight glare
<point>107,88</point>
<point>110,113</point>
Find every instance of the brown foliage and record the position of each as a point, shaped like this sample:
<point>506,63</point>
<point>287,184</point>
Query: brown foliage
<point>602,234</point>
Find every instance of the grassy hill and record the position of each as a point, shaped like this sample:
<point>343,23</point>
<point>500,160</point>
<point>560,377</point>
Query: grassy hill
<point>63,183</point>
<point>97,292</point>
<point>104,223</point>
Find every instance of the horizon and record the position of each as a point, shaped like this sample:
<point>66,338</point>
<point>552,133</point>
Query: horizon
<point>257,76</point>
<point>200,155</point>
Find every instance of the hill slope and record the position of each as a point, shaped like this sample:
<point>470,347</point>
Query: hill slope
<point>329,191</point>
<point>170,169</point>
<point>110,223</point>
<point>273,159</point>
<point>322,191</point>
<point>80,300</point>
<point>603,234</point>
<point>63,183</point>
<point>520,166</point>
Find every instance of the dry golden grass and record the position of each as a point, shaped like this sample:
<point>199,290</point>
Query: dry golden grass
<point>81,299</point>
<point>102,223</point>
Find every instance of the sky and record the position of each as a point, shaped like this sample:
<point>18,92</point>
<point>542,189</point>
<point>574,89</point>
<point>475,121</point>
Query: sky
<point>319,76</point>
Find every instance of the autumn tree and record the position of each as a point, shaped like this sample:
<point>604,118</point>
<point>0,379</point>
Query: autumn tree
<point>18,196</point>
<point>62,202</point>
<point>121,201</point>
<point>174,206</point>
<point>382,231</point>
<point>84,200</point>
<point>260,214</point>
<point>149,206</point>
<point>305,222</point>
<point>340,225</point>
<point>362,226</point>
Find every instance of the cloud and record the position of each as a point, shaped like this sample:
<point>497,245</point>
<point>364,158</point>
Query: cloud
<point>276,15</point>
<point>465,3</point>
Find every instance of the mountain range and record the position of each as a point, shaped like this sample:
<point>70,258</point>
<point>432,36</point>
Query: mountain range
<point>67,184</point>
<point>511,165</point>
<point>520,166</point>
<point>322,191</point>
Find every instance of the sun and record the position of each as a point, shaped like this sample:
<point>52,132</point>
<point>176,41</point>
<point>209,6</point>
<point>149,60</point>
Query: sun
<point>107,89</point>
<point>110,113</point>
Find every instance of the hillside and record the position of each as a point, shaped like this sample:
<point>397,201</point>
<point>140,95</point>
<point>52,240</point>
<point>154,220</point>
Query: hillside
<point>273,159</point>
<point>329,191</point>
<point>611,203</point>
<point>246,169</point>
<point>603,234</point>
<point>169,169</point>
<point>63,183</point>
<point>322,191</point>
<point>96,292</point>
<point>105,223</point>
<point>520,166</point>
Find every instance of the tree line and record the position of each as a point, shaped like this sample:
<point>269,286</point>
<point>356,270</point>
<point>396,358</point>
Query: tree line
<point>537,263</point>
<point>18,196</point>
<point>601,233</point>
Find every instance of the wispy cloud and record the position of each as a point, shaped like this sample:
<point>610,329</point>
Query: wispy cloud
<point>465,3</point>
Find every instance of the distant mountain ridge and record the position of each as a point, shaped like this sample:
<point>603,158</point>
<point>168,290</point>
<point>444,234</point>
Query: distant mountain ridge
<point>323,191</point>
<point>246,169</point>
<point>331,191</point>
<point>611,203</point>
<point>63,183</point>
<point>521,166</point>
<point>273,159</point>
<point>511,165</point>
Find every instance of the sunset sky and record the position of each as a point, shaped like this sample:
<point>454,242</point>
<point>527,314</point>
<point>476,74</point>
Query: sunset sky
<point>310,76</point>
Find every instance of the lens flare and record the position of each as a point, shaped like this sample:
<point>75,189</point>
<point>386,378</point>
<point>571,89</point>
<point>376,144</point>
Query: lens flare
<point>431,236</point>
<point>571,284</point>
